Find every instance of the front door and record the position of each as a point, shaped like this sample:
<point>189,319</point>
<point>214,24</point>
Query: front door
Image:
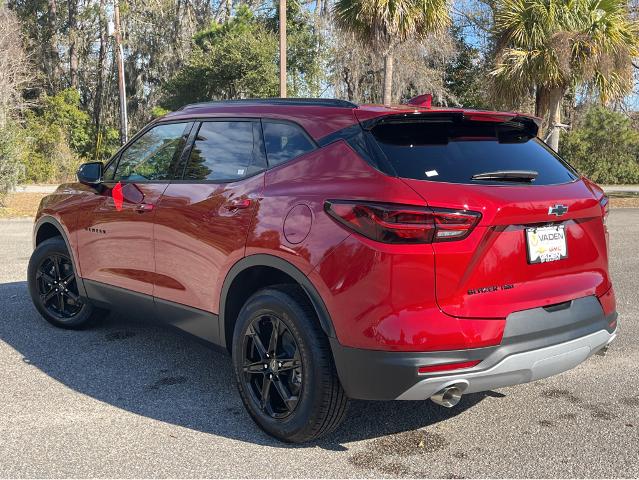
<point>115,232</point>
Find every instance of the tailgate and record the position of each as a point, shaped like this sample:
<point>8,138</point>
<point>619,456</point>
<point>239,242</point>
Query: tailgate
<point>489,274</point>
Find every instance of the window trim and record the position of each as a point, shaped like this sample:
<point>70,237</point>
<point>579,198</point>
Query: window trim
<point>195,122</point>
<point>188,127</point>
<point>186,152</point>
<point>286,122</point>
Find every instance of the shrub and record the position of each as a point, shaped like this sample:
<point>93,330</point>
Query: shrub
<point>604,146</point>
<point>12,153</point>
<point>58,138</point>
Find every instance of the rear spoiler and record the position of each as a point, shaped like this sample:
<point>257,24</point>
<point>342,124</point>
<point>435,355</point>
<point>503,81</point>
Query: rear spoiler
<point>527,124</point>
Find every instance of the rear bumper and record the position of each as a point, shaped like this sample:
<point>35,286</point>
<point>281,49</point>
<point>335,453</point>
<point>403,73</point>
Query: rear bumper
<point>515,369</point>
<point>537,343</point>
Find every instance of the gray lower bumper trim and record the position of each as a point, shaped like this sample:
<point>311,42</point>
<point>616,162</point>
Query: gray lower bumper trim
<point>517,368</point>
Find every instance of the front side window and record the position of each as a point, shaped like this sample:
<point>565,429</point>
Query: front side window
<point>222,151</point>
<point>149,158</point>
<point>284,141</point>
<point>109,170</point>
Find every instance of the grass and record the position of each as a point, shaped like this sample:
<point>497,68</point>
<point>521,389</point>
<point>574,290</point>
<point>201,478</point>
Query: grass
<point>23,204</point>
<point>623,200</point>
<point>20,204</point>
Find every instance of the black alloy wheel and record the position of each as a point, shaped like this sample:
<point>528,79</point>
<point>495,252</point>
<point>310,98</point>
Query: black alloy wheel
<point>284,366</point>
<point>57,286</point>
<point>273,370</point>
<point>54,288</point>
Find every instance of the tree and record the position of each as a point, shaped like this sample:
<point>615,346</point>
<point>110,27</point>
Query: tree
<point>234,60</point>
<point>73,42</point>
<point>238,59</point>
<point>466,73</point>
<point>304,49</point>
<point>547,47</point>
<point>14,77</point>
<point>12,159</point>
<point>602,157</point>
<point>14,66</point>
<point>58,137</point>
<point>383,25</point>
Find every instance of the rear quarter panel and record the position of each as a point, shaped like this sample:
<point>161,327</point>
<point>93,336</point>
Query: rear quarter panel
<point>332,172</point>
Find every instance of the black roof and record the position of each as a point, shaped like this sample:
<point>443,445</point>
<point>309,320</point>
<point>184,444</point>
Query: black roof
<point>317,102</point>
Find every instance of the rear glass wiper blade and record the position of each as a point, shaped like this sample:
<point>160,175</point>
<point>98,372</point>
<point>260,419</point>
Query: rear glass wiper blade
<point>507,175</point>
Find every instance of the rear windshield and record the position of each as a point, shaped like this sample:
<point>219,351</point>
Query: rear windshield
<point>454,152</point>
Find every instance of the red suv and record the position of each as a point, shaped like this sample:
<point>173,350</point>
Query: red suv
<point>339,251</point>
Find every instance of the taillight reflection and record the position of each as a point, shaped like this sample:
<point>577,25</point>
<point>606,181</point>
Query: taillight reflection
<point>605,208</point>
<point>390,223</point>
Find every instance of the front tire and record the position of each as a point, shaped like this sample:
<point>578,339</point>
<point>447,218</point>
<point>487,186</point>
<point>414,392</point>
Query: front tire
<point>53,286</point>
<point>284,367</point>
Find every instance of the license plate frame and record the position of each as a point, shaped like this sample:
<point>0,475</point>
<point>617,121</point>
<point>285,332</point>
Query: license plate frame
<point>543,245</point>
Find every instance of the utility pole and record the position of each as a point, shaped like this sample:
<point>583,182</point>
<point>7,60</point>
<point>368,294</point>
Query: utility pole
<point>283,48</point>
<point>119,54</point>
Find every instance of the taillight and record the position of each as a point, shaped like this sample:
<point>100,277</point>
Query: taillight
<point>605,208</point>
<point>391,223</point>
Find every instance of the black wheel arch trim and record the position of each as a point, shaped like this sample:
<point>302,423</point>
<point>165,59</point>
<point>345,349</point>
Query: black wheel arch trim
<point>265,260</point>
<point>58,226</point>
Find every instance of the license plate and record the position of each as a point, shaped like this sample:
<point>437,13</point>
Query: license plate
<point>546,244</point>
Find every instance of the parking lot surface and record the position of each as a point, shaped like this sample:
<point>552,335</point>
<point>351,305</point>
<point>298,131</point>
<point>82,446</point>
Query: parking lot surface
<point>131,399</point>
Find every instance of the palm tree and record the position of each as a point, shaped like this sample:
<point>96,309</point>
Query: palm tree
<point>384,24</point>
<point>547,47</point>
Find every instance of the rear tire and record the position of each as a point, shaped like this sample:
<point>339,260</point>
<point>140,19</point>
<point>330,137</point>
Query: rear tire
<point>288,385</point>
<point>53,287</point>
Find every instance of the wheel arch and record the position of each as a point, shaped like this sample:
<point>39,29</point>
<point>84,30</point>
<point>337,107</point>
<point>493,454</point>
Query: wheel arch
<point>259,271</point>
<point>47,227</point>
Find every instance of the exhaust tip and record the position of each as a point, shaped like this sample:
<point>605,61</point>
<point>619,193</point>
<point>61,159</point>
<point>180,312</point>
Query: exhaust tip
<point>448,397</point>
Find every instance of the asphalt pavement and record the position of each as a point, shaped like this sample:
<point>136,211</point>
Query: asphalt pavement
<point>130,399</point>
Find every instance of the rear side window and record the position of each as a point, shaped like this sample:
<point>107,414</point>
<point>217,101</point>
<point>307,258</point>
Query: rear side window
<point>223,151</point>
<point>455,152</point>
<point>284,141</point>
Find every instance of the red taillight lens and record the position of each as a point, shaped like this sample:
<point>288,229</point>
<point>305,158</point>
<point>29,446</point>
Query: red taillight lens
<point>390,223</point>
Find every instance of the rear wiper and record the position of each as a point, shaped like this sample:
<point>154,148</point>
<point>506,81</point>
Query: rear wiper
<point>508,175</point>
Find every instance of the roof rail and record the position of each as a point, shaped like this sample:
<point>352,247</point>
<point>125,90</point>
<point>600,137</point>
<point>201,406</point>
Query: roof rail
<point>317,102</point>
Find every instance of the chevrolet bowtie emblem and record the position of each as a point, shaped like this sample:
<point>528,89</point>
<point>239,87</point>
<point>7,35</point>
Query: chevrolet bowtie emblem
<point>558,210</point>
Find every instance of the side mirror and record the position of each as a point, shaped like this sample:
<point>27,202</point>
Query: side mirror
<point>90,173</point>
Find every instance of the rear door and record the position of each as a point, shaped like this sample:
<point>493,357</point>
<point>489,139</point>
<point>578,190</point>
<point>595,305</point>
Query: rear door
<point>539,242</point>
<point>203,220</point>
<point>115,238</point>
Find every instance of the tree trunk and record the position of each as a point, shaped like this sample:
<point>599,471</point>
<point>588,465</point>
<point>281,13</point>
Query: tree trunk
<point>555,98</point>
<point>73,40</point>
<point>228,8</point>
<point>97,105</point>
<point>388,78</point>
<point>282,28</point>
<point>541,109</point>
<point>53,59</point>
<point>121,80</point>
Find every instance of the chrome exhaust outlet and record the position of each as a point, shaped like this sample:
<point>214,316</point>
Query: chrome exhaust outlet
<point>448,397</point>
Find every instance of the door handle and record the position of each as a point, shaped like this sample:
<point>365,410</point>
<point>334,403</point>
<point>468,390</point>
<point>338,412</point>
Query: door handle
<point>144,207</point>
<point>238,205</point>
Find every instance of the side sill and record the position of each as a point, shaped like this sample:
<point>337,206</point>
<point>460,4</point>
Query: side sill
<point>200,324</point>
